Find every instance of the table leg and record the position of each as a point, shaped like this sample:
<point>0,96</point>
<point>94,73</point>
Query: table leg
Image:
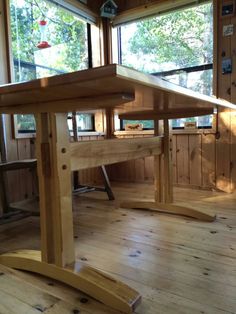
<point>57,258</point>
<point>163,185</point>
<point>54,173</point>
<point>91,281</point>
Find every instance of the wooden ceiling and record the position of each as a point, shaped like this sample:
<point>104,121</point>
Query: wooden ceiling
<point>133,10</point>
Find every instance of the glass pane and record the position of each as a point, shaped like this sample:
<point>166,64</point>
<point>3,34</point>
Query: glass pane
<point>171,41</point>
<point>202,122</point>
<point>64,33</point>
<point>147,124</point>
<point>85,122</point>
<point>25,123</point>
<point>199,81</point>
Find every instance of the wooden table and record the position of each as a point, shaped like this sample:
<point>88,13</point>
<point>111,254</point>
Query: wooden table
<point>132,95</point>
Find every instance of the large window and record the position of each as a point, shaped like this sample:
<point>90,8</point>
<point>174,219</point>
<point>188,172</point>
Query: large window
<point>47,40</point>
<point>39,21</point>
<point>178,47</point>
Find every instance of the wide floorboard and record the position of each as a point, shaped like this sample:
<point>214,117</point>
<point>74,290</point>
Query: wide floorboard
<point>178,265</point>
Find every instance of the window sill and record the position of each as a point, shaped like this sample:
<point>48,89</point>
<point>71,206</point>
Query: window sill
<point>144,132</point>
<point>89,133</point>
<point>151,132</point>
<point>194,131</point>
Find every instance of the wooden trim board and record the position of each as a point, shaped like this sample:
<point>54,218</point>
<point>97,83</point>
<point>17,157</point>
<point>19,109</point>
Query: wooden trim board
<point>89,154</point>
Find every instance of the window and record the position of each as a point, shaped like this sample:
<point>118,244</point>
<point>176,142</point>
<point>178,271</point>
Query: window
<point>66,50</point>
<point>178,47</point>
<point>33,22</point>
<point>25,126</point>
<point>147,124</point>
<point>85,122</point>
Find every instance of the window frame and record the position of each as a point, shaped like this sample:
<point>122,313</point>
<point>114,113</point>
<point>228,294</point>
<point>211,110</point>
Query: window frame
<point>32,134</point>
<point>18,135</point>
<point>85,130</point>
<point>201,67</point>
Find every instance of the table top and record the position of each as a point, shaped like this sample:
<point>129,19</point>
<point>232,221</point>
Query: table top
<point>112,86</point>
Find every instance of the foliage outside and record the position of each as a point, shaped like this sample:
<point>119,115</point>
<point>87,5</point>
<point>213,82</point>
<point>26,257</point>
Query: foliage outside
<point>67,36</point>
<point>65,33</point>
<point>172,41</point>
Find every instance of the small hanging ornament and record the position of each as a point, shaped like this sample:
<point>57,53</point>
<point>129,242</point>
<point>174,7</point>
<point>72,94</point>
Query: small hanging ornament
<point>43,30</point>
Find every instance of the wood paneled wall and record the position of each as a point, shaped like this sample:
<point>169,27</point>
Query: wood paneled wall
<point>226,89</point>
<point>194,163</point>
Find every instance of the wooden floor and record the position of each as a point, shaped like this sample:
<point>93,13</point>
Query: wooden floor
<point>177,264</point>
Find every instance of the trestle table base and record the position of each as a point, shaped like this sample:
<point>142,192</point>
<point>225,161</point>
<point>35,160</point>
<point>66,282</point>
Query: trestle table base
<point>90,281</point>
<point>169,209</point>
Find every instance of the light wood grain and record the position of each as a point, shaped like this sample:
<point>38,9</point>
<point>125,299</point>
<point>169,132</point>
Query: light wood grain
<point>106,81</point>
<point>179,265</point>
<point>96,153</point>
<point>53,153</point>
<point>135,10</point>
<point>182,152</point>
<point>149,115</point>
<point>84,278</point>
<point>195,169</point>
<point>169,209</point>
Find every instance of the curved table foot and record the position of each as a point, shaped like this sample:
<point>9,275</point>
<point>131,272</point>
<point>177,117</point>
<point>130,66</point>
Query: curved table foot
<point>91,281</point>
<point>169,209</point>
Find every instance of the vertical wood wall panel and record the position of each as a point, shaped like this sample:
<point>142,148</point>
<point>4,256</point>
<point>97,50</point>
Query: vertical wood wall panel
<point>233,113</point>
<point>195,160</point>
<point>194,163</point>
<point>182,153</point>
<point>226,90</point>
<point>208,160</point>
<point>223,152</point>
<point>233,151</point>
